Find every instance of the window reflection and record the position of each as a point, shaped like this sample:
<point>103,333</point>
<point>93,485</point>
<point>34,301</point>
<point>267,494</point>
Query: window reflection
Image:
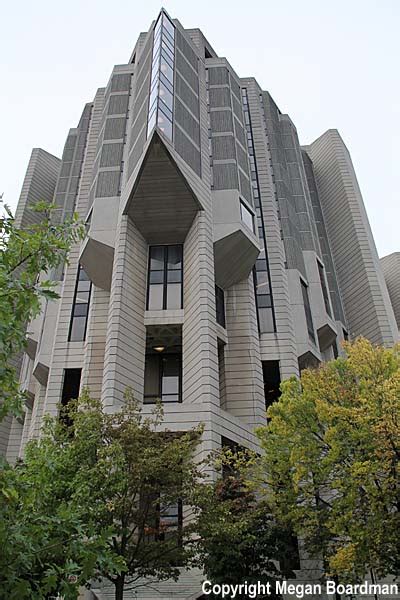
<point>80,307</point>
<point>162,78</point>
<point>163,378</point>
<point>262,282</point>
<point>165,278</point>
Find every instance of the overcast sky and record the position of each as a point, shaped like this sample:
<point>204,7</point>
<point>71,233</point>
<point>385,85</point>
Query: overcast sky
<point>327,63</point>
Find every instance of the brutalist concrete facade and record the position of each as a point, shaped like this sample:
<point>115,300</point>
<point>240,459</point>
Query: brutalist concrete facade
<point>391,272</point>
<point>212,235</point>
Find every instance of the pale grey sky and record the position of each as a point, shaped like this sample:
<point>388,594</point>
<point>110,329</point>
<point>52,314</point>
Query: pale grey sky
<point>328,63</point>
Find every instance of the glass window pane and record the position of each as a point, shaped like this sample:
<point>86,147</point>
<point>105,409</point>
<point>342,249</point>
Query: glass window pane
<point>167,55</point>
<point>168,36</point>
<point>152,121</point>
<point>83,276</point>
<point>155,297</point>
<point>165,108</point>
<point>165,125</point>
<point>84,286</point>
<point>262,282</point>
<point>152,376</point>
<point>155,63</point>
<point>264,301</point>
<point>174,276</point>
<point>82,297</point>
<point>174,257</point>
<point>170,384</point>
<point>166,97</point>
<point>170,398</point>
<point>157,26</point>
<point>80,310</point>
<point>156,42</point>
<point>153,99</point>
<point>156,276</point>
<point>157,257</point>
<point>167,83</point>
<point>167,71</point>
<point>170,375</point>
<point>247,216</point>
<point>174,295</point>
<point>261,264</point>
<point>168,45</point>
<point>168,26</point>
<point>78,329</point>
<point>265,319</point>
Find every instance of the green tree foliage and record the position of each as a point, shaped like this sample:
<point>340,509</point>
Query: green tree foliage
<point>238,539</point>
<point>24,254</point>
<point>92,499</point>
<point>331,464</point>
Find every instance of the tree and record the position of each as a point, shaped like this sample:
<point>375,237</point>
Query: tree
<point>238,540</point>
<point>24,254</point>
<point>331,464</point>
<point>47,548</point>
<point>103,491</point>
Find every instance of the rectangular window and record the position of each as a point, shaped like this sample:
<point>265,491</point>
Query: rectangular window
<point>164,518</point>
<point>165,275</point>
<point>324,289</point>
<point>163,378</point>
<point>221,375</point>
<point>307,310</point>
<point>80,307</point>
<point>272,381</point>
<point>265,313</point>
<point>220,305</point>
<point>70,390</point>
<point>247,216</point>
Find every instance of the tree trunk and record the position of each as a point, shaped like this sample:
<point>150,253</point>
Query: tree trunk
<point>119,587</point>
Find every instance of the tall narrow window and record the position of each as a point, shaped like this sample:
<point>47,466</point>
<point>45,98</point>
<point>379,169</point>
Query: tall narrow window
<point>70,390</point>
<point>80,307</point>
<point>220,305</point>
<point>246,216</point>
<point>163,378</point>
<point>272,381</point>
<point>221,375</point>
<point>164,517</point>
<point>71,385</point>
<point>307,309</point>
<point>161,98</point>
<point>262,278</point>
<point>165,278</point>
<point>325,294</point>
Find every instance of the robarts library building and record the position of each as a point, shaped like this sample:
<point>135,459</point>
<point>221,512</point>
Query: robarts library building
<point>221,256</point>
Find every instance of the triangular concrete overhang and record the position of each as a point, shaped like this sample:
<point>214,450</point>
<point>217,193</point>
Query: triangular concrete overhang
<point>159,198</point>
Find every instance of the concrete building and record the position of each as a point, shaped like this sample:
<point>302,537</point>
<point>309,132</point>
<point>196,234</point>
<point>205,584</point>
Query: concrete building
<point>221,257</point>
<point>391,271</point>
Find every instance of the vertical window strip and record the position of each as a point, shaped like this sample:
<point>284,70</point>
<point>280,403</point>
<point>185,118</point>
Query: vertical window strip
<point>324,288</point>
<point>161,99</point>
<point>80,307</point>
<point>262,276</point>
<point>307,310</point>
<point>220,306</point>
